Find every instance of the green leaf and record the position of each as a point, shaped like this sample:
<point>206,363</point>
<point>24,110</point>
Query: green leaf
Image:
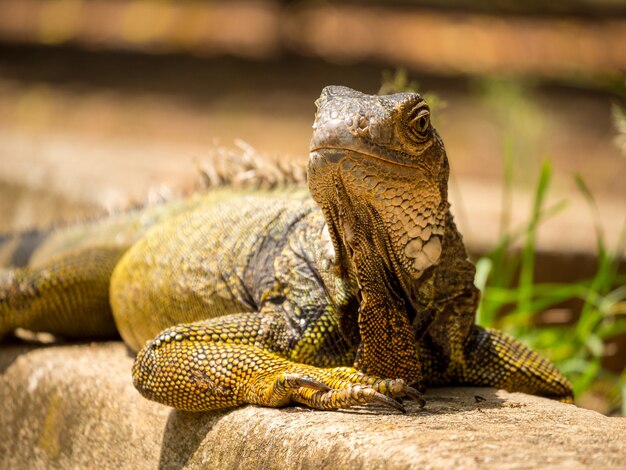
<point>595,345</point>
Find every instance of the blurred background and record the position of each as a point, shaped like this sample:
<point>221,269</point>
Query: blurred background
<point>105,104</point>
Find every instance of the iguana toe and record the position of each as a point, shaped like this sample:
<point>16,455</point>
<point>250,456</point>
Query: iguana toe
<point>353,395</point>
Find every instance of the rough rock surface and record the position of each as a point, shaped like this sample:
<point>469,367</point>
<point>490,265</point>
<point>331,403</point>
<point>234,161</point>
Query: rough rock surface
<point>73,406</point>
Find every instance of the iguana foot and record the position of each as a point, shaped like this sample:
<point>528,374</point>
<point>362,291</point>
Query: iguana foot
<point>190,368</point>
<point>341,387</point>
<point>395,388</point>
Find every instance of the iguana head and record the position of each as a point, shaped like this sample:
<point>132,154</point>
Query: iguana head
<point>379,171</point>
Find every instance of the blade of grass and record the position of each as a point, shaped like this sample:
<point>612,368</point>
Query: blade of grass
<point>527,267</point>
<point>595,212</point>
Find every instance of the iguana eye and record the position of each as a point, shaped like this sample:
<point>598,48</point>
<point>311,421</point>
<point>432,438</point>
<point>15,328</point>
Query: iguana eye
<point>419,121</point>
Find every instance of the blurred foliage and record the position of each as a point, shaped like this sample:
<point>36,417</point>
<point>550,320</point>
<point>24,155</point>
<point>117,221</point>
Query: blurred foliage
<point>513,104</point>
<point>398,81</point>
<point>619,121</point>
<point>511,301</point>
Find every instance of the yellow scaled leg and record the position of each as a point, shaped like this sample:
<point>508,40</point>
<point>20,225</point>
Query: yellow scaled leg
<point>209,365</point>
<point>67,296</point>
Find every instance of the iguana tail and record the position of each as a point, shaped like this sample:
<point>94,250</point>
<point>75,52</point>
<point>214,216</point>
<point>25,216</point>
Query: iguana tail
<point>57,280</point>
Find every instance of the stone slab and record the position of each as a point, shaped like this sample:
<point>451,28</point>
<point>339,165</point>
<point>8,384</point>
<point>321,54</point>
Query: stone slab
<point>74,406</point>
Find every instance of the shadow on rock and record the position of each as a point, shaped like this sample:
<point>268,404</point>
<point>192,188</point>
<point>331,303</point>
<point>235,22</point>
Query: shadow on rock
<point>460,400</point>
<point>184,432</point>
<point>13,348</point>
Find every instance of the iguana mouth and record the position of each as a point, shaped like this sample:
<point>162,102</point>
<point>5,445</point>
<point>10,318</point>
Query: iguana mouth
<point>336,158</point>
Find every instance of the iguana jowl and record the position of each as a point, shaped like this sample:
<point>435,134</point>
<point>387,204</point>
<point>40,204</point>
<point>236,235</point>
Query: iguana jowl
<point>365,295</point>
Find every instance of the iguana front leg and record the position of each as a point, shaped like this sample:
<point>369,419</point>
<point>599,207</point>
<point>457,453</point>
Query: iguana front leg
<point>222,363</point>
<point>388,347</point>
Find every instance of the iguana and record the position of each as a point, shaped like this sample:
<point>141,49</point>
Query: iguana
<point>362,294</point>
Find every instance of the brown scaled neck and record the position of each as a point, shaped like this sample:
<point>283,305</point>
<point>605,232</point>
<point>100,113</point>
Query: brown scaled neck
<point>388,347</point>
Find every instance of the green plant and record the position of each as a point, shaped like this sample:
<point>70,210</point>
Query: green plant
<point>511,299</point>
<point>398,81</point>
<point>522,122</point>
<point>618,116</point>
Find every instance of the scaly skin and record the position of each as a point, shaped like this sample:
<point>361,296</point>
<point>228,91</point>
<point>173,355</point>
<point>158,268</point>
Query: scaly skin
<point>364,295</point>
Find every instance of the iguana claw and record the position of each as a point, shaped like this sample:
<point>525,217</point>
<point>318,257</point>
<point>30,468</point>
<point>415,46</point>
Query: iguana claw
<point>351,396</point>
<point>346,387</point>
<point>413,394</point>
<point>387,401</point>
